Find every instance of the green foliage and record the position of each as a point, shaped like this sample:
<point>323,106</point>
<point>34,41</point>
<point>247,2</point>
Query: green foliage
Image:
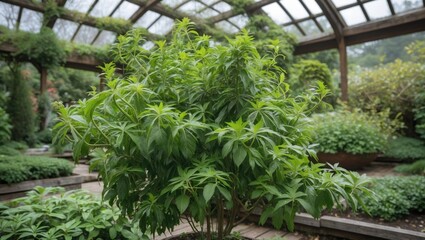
<point>271,39</point>
<point>99,53</point>
<point>405,148</point>
<point>62,216</point>
<point>418,168</point>
<point>5,127</point>
<point>20,109</point>
<point>195,130</point>
<point>397,86</point>
<point>344,131</point>
<point>72,84</point>
<point>305,74</point>
<point>21,146</point>
<point>395,197</point>
<point>118,25</point>
<point>8,151</point>
<point>20,168</point>
<point>42,48</point>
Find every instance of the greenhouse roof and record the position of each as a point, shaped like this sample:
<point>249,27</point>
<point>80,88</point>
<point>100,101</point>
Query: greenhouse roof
<point>317,23</point>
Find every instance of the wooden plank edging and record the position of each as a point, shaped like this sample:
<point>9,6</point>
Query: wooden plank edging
<point>369,229</point>
<point>14,190</point>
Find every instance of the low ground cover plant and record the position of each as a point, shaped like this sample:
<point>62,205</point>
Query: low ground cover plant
<point>350,132</point>
<point>396,197</point>
<point>63,216</point>
<point>203,132</point>
<point>405,148</point>
<point>417,168</point>
<point>18,168</point>
<point>8,151</point>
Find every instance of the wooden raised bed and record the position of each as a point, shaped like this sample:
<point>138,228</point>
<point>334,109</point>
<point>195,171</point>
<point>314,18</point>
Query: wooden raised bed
<point>352,229</point>
<point>15,190</point>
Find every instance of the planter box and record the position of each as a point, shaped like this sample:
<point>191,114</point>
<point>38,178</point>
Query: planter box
<point>347,160</point>
<point>15,190</point>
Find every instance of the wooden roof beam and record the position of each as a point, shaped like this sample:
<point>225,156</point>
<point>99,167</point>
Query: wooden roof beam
<point>74,60</point>
<point>409,22</point>
<point>143,9</point>
<point>231,13</point>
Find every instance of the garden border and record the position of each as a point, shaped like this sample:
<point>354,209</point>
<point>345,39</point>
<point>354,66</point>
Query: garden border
<point>14,190</point>
<point>352,229</point>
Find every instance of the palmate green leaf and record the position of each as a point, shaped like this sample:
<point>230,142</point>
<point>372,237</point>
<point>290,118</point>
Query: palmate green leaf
<point>182,202</point>
<point>208,192</point>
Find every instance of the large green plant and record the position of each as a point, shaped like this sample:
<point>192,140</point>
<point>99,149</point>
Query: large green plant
<point>203,132</point>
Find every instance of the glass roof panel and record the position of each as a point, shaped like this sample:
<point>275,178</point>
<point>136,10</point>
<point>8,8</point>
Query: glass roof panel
<point>65,29</point>
<point>312,6</point>
<point>192,8</point>
<point>293,29</point>
<point>353,15</point>
<point>239,20</point>
<point>125,10</point>
<point>209,2</point>
<point>372,9</point>
<point>341,3</point>
<point>172,3</point>
<point>226,26</point>
<point>104,8</point>
<point>325,24</point>
<point>86,34</point>
<point>8,15</point>
<point>78,5</point>
<point>105,37</point>
<point>310,28</point>
<point>148,45</point>
<point>222,7</point>
<point>31,21</point>
<point>208,12</point>
<point>295,8</point>
<point>147,19</point>
<point>276,13</point>
<point>162,26</point>
<point>405,5</point>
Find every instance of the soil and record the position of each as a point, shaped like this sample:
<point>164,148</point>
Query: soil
<point>414,221</point>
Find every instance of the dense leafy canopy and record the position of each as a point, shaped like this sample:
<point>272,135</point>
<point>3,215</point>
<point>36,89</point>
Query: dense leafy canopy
<point>193,129</point>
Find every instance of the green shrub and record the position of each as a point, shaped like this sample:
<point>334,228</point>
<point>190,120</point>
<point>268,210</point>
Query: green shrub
<point>65,215</point>
<point>417,167</point>
<point>405,148</point>
<point>5,127</point>
<point>8,151</point>
<point>20,109</point>
<point>350,132</point>
<point>15,169</point>
<point>17,145</point>
<point>396,197</point>
<point>207,132</point>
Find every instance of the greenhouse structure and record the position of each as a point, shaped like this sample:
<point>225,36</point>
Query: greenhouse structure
<point>212,119</point>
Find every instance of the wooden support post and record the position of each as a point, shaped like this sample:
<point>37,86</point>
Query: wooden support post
<point>101,83</point>
<point>43,80</point>
<point>343,68</point>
